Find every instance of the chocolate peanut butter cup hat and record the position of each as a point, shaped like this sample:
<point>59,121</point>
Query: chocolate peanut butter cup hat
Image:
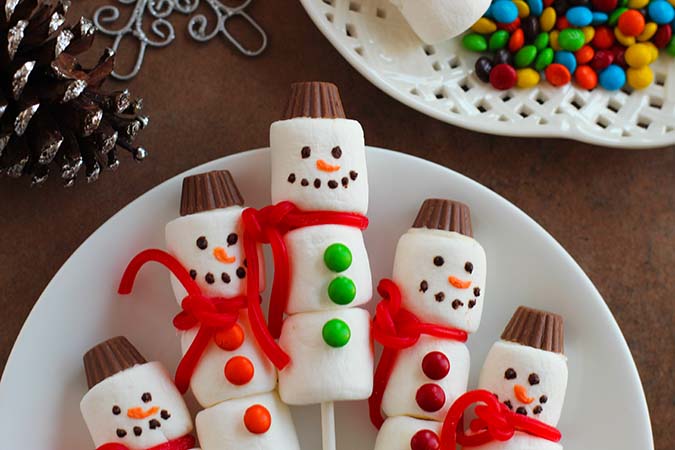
<point>207,191</point>
<point>539,329</point>
<point>110,357</point>
<point>447,215</point>
<point>315,99</point>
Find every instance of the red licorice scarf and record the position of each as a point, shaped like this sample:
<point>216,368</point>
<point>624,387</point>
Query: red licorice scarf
<point>268,226</point>
<point>211,313</point>
<point>182,443</point>
<point>396,329</point>
<point>495,422</point>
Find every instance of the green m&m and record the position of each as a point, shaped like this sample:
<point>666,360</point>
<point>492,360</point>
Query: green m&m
<point>342,291</point>
<point>336,333</point>
<point>337,257</point>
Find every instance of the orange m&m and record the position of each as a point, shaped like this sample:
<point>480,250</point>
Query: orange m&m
<point>239,370</point>
<point>257,419</point>
<point>229,339</point>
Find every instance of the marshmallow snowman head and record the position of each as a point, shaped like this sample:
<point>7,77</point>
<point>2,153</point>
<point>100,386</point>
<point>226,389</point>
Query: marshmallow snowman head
<point>318,156</point>
<point>440,268</point>
<point>207,238</point>
<point>130,401</point>
<point>527,369</point>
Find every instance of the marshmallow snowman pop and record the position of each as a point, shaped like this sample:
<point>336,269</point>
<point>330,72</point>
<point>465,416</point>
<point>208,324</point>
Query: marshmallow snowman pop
<point>521,389</point>
<point>322,273</point>
<point>436,21</point>
<point>435,299</point>
<point>132,404</point>
<point>225,342</point>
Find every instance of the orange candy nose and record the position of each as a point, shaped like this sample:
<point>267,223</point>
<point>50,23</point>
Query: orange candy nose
<point>221,255</point>
<point>257,419</point>
<point>229,339</point>
<point>325,167</point>
<point>521,394</point>
<point>139,413</point>
<point>239,370</point>
<point>459,283</point>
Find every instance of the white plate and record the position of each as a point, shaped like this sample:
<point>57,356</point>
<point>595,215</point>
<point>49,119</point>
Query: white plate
<point>44,380</point>
<point>438,80</point>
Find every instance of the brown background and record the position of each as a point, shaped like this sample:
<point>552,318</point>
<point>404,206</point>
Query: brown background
<point>613,210</point>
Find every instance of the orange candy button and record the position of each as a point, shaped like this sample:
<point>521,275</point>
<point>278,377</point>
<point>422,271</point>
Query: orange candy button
<point>230,339</point>
<point>239,370</point>
<point>257,419</point>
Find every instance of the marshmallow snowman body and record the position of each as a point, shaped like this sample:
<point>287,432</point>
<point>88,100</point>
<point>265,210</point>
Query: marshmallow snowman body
<point>436,21</point>
<point>521,441</point>
<point>442,277</point>
<point>398,433</point>
<point>259,422</point>
<point>232,365</point>
<point>314,285</point>
<point>319,164</point>
<point>427,379</point>
<point>139,407</point>
<point>529,380</point>
<point>320,372</point>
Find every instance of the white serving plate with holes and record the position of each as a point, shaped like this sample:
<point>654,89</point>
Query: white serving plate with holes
<point>44,380</point>
<point>439,81</point>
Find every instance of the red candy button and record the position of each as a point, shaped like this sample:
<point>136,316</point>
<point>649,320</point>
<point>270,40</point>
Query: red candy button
<point>430,397</point>
<point>602,59</point>
<point>239,370</point>
<point>425,440</point>
<point>436,365</point>
<point>663,36</point>
<point>604,37</point>
<point>257,419</point>
<point>605,5</point>
<point>230,339</point>
<point>503,77</point>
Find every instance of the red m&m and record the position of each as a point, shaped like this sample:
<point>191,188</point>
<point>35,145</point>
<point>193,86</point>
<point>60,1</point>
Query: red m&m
<point>430,397</point>
<point>425,440</point>
<point>436,365</point>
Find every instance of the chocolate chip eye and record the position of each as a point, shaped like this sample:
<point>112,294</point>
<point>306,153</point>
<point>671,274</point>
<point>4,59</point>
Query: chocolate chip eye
<point>305,152</point>
<point>510,374</point>
<point>232,239</point>
<point>439,261</point>
<point>202,243</point>
<point>116,410</point>
<point>336,152</point>
<point>543,399</point>
<point>468,267</point>
<point>146,397</point>
<point>533,379</point>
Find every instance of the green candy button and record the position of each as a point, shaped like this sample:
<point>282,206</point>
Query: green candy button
<point>342,291</point>
<point>337,257</point>
<point>336,333</point>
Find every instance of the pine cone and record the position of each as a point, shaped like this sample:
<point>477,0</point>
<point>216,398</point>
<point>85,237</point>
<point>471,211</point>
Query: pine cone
<point>53,113</point>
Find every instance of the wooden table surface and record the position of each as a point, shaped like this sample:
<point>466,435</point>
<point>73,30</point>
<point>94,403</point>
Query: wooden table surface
<point>613,210</point>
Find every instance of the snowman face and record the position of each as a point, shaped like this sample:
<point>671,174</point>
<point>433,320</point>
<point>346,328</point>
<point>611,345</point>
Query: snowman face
<point>139,407</point>
<point>209,245</point>
<point>319,164</point>
<point>442,277</point>
<point>527,380</point>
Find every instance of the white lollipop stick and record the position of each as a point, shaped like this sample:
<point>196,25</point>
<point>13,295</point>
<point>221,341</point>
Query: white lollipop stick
<point>328,426</point>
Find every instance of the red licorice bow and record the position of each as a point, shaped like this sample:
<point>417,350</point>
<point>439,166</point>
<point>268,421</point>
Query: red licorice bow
<point>396,329</point>
<point>268,226</point>
<point>495,422</point>
<point>211,313</point>
<point>182,443</point>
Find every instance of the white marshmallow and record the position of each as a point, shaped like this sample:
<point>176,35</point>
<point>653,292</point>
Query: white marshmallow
<point>551,369</point>
<point>397,432</point>
<point>415,263</point>
<point>321,136</point>
<point>222,427</point>
<point>407,377</point>
<point>224,261</point>
<point>209,384</point>
<point>124,390</point>
<point>310,277</point>
<point>436,21</point>
<point>320,373</point>
<point>521,441</point>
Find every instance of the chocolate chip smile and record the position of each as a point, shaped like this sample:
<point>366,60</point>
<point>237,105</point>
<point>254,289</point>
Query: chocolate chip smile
<point>332,184</point>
